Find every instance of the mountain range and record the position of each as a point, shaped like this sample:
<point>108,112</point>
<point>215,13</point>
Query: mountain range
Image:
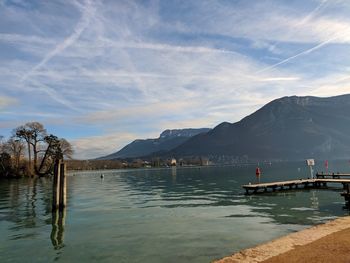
<point>168,140</point>
<point>288,128</point>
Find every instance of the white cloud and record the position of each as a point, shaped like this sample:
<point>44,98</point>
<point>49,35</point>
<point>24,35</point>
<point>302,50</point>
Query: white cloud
<point>335,84</point>
<point>98,146</point>
<point>270,21</point>
<point>132,113</point>
<point>129,65</point>
<point>6,102</point>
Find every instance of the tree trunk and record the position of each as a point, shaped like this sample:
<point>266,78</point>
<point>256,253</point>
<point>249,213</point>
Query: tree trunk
<point>35,153</point>
<point>38,171</point>
<point>29,158</point>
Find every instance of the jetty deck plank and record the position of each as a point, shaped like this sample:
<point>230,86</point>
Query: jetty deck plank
<point>325,180</point>
<point>332,175</point>
<point>306,183</point>
<point>281,183</point>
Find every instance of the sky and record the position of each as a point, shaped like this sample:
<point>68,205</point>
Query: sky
<point>103,73</point>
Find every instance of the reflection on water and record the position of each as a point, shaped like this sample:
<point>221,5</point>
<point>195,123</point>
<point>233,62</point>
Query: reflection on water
<point>173,174</point>
<point>57,233</point>
<point>19,201</point>
<point>165,215</point>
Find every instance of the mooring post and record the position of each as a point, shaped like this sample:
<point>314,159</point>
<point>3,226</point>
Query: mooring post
<point>63,185</point>
<point>56,186</point>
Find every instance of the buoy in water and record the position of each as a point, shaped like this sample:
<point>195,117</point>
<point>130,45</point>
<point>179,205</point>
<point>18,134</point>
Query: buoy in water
<point>102,175</point>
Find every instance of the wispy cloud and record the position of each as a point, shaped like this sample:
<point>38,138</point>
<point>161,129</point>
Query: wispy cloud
<point>52,93</point>
<point>331,85</point>
<point>88,12</point>
<point>160,47</point>
<point>25,39</point>
<point>97,146</point>
<point>6,101</point>
<point>151,110</point>
<point>128,69</point>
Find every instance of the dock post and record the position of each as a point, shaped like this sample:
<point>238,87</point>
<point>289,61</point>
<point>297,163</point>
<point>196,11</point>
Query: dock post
<point>56,186</point>
<point>63,190</point>
<point>59,187</point>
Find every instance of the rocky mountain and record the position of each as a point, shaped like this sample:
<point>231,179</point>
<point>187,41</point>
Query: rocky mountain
<point>289,128</point>
<point>167,140</point>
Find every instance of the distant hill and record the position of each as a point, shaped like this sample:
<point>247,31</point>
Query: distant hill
<point>289,128</point>
<point>167,140</point>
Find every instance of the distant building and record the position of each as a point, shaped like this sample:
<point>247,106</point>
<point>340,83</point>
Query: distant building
<point>173,162</point>
<point>147,164</point>
<point>204,161</point>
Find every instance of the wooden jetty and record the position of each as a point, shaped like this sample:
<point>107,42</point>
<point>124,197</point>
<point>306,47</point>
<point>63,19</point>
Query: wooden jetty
<point>331,175</point>
<point>293,184</point>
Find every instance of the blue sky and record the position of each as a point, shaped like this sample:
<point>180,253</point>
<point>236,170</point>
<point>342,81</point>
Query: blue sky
<point>103,73</point>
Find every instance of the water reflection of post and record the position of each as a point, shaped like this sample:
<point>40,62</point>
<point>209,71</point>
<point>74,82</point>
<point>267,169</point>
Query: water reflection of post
<point>57,233</point>
<point>173,174</point>
<point>314,200</point>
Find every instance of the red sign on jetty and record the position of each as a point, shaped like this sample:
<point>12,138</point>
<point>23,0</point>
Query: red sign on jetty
<point>257,171</point>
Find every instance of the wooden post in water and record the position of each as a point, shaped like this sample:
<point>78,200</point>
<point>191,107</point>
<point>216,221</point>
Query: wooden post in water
<point>63,185</point>
<point>56,186</point>
<point>59,190</point>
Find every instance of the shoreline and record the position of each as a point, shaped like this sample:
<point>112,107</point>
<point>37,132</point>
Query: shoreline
<point>287,246</point>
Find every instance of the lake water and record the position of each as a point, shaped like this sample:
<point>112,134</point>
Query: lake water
<point>165,215</point>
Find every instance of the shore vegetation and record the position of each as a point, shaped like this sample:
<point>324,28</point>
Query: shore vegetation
<point>31,151</point>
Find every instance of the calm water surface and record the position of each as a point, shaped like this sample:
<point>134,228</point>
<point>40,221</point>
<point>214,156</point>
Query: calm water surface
<point>168,215</point>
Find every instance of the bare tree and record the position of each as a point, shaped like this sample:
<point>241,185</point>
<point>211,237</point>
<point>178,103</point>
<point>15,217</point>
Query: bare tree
<point>56,150</point>
<point>5,164</point>
<point>38,135</point>
<point>45,150</point>
<point>1,143</point>
<point>33,133</point>
<point>23,133</point>
<point>5,159</point>
<point>66,148</point>
<point>15,148</point>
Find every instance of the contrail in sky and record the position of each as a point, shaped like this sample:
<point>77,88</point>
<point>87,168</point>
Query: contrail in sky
<point>313,12</point>
<point>305,52</point>
<point>78,29</point>
<point>303,21</point>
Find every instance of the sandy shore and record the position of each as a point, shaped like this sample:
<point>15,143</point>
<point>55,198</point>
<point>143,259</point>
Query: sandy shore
<point>329,242</point>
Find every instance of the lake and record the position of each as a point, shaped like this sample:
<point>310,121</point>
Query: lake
<point>157,215</point>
